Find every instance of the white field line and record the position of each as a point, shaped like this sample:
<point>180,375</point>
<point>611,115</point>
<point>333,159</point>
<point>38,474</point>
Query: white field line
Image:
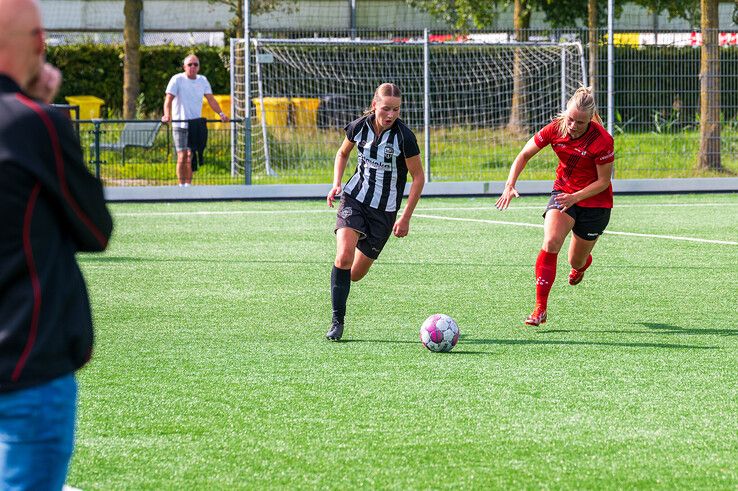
<point>333,210</point>
<point>521,224</point>
<point>437,217</point>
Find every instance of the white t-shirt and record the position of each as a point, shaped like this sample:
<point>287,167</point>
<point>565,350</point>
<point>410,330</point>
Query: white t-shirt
<point>188,93</point>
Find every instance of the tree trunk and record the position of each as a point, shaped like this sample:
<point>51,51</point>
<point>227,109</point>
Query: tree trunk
<point>592,25</point>
<point>709,155</point>
<point>132,56</point>
<point>521,19</point>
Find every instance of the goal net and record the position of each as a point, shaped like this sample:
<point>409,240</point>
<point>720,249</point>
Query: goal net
<point>484,98</point>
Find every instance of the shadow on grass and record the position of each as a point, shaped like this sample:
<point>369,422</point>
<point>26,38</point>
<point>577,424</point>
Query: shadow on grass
<point>458,350</point>
<point>582,343</point>
<point>670,329</point>
<point>102,258</point>
<point>656,328</point>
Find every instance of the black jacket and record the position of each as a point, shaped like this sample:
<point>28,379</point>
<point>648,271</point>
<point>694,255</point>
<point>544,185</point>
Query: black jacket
<point>52,207</point>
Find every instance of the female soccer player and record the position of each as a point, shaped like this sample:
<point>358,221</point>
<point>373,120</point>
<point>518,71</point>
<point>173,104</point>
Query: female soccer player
<point>582,194</point>
<point>370,199</point>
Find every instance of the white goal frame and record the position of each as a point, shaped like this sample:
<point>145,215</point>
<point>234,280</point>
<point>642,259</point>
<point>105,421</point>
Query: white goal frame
<point>258,54</point>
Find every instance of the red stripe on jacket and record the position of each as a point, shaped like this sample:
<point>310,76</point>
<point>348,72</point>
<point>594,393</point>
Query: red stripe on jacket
<point>59,160</point>
<point>35,282</point>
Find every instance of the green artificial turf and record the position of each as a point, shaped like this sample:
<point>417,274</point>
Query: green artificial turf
<point>211,370</point>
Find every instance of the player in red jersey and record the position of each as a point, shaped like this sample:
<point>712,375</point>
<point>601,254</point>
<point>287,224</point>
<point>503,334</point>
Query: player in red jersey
<point>581,199</point>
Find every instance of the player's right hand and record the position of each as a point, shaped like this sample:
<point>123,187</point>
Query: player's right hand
<point>165,118</point>
<point>507,195</point>
<point>45,85</point>
<point>333,194</point>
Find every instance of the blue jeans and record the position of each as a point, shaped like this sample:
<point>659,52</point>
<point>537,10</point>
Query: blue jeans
<point>37,435</point>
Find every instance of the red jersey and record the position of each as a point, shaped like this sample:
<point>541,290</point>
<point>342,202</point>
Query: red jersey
<point>578,160</point>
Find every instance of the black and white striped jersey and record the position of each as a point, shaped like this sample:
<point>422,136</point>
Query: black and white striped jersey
<point>381,171</point>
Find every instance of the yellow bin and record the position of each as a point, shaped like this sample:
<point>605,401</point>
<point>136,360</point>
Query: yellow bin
<point>306,111</point>
<point>224,101</point>
<point>275,110</point>
<point>89,105</point>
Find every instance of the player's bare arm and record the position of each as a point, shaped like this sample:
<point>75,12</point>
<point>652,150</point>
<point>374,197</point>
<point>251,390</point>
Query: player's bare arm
<point>528,151</point>
<point>339,166</point>
<point>402,225</point>
<point>604,172</point>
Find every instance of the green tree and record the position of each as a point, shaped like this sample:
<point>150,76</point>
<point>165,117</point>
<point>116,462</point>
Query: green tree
<point>132,56</point>
<point>709,155</point>
<point>256,6</point>
<point>704,12</point>
<point>688,10</point>
<point>462,14</point>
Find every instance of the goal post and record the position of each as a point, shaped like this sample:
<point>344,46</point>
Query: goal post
<point>302,92</point>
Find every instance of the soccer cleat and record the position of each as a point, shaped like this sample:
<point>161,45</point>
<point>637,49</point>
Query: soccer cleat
<point>537,318</point>
<point>576,275</point>
<point>335,332</point>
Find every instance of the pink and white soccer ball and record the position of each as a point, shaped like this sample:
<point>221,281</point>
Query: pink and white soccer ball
<point>439,332</point>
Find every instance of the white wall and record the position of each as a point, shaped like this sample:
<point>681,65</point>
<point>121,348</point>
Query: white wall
<point>163,15</point>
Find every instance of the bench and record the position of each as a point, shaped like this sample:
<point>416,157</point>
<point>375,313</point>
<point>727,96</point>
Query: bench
<point>138,134</point>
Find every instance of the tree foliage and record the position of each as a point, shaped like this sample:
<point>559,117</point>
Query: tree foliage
<point>480,14</point>
<point>688,10</point>
<point>256,6</point>
<point>462,14</point>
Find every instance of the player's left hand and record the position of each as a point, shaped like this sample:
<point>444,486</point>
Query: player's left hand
<point>223,117</point>
<point>565,201</point>
<point>401,228</point>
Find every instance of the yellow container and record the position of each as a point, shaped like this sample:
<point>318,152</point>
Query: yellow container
<point>224,101</point>
<point>306,111</point>
<point>275,110</point>
<point>89,105</point>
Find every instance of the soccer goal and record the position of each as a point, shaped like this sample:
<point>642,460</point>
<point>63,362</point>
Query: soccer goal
<point>470,102</point>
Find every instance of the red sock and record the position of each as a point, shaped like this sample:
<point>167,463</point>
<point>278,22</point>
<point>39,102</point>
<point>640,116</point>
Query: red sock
<point>545,276</point>
<point>586,265</point>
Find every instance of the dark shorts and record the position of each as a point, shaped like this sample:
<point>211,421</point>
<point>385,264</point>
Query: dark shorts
<point>374,226</point>
<point>589,223</point>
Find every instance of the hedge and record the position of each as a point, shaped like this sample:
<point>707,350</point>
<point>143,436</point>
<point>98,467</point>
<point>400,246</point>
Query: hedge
<point>91,69</point>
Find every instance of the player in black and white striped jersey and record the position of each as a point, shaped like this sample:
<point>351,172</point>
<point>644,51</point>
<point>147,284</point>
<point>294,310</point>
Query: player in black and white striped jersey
<point>367,214</point>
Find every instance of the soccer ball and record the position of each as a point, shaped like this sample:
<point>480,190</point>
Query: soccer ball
<point>439,332</point>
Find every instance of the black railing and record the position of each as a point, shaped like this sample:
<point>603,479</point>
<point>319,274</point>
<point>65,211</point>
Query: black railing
<point>141,152</point>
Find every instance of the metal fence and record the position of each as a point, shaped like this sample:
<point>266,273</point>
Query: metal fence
<point>656,106</point>
<point>307,95</point>
<point>141,152</point>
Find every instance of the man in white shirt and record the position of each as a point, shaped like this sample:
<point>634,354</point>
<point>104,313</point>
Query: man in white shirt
<point>183,101</point>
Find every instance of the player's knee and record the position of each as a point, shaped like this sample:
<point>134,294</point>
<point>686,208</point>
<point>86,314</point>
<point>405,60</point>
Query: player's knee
<point>551,245</point>
<point>344,261</point>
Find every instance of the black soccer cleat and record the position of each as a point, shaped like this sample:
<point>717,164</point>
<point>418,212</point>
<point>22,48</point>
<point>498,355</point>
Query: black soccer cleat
<point>335,332</point>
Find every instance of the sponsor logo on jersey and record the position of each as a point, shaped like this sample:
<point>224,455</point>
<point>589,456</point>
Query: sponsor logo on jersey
<point>373,164</point>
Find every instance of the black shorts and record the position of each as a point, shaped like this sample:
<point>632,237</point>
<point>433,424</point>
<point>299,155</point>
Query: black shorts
<point>589,223</point>
<point>374,226</point>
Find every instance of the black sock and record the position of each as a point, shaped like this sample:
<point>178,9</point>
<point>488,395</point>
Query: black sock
<point>340,286</point>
